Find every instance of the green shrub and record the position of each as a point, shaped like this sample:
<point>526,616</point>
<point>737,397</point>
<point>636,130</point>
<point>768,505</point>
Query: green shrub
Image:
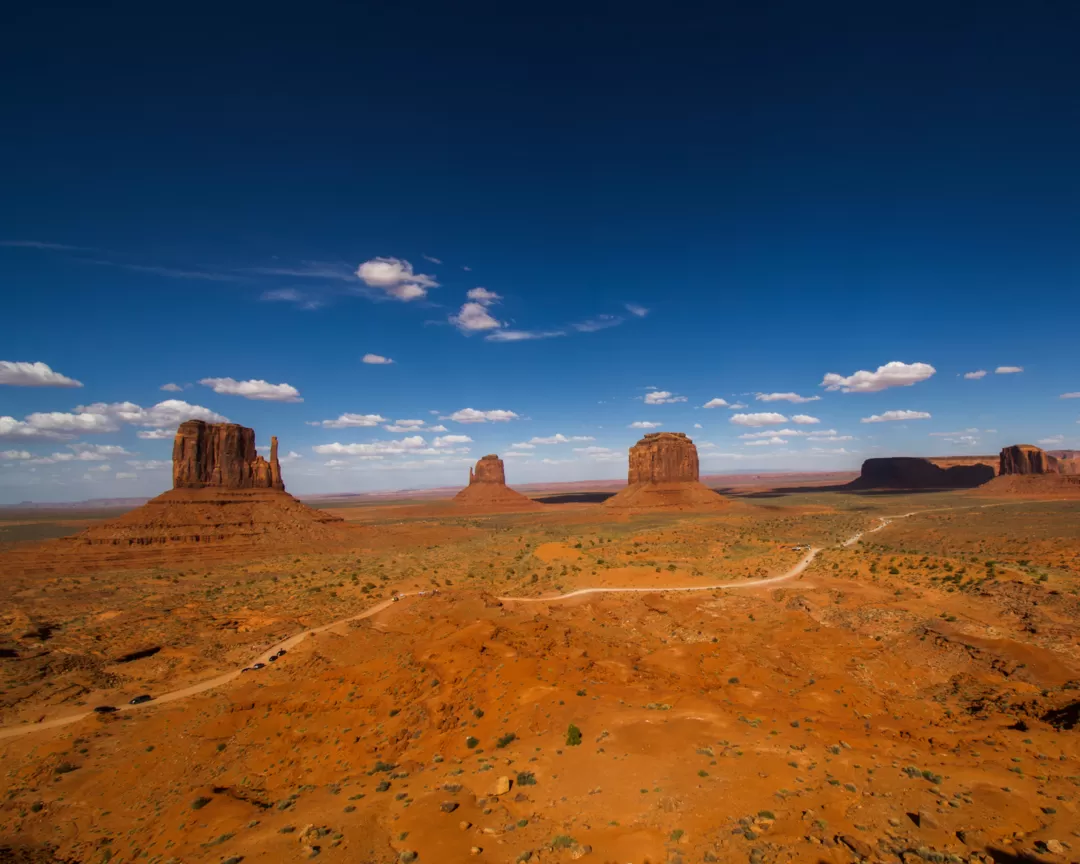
<point>573,736</point>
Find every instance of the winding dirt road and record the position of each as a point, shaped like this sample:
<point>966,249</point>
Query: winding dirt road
<point>225,678</point>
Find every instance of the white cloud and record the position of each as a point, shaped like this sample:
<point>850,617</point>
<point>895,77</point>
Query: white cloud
<point>838,451</point>
<point>171,388</point>
<point>253,389</point>
<point>763,419</point>
<point>406,425</point>
<point>1051,441</point>
<point>471,415</point>
<point>516,453</point>
<point>291,456</point>
<point>970,431</point>
<point>736,406</point>
<point>396,278</point>
<point>554,461</point>
<point>600,322</point>
<point>761,442</point>
<point>889,416</point>
<point>643,424</point>
<point>976,375</point>
<point>21,374</point>
<point>14,455</point>
<point>474,316</point>
<point>636,310</point>
<point>698,426</point>
<point>600,454</point>
<point>171,412</point>
<point>557,438</point>
<point>448,440</point>
<point>431,258</point>
<point>125,475</point>
<point>1075,395</point>
<point>1008,370</point>
<point>785,397</point>
<point>97,452</point>
<point>789,433</point>
<point>376,360</point>
<point>439,428</point>
<point>893,374</point>
<point>522,335</point>
<point>155,434</point>
<point>483,296</point>
<point>150,464</point>
<point>804,419</point>
<point>523,445</point>
<point>831,438</point>
<point>662,397</point>
<point>346,421</point>
<point>405,445</point>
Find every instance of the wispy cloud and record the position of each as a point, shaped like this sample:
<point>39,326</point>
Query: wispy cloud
<point>38,244</point>
<point>471,415</point>
<point>522,335</point>
<point>1008,370</point>
<point>301,299</point>
<point>308,270</point>
<point>762,419</point>
<point>254,389</point>
<point>636,310</point>
<point>644,424</point>
<point>376,360</point>
<point>785,397</point>
<point>173,272</point>
<point>892,416</point>
<point>662,397</point>
<point>600,322</point>
<point>976,375</point>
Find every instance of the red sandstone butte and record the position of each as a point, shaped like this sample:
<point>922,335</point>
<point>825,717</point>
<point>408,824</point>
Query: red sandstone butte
<point>487,488</point>
<point>664,473</point>
<point>222,455</point>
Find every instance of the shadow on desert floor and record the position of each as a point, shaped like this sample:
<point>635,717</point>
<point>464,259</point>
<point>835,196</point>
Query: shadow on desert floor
<point>575,498</point>
<point>732,492</point>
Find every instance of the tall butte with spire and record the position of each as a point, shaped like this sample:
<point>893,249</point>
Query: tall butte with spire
<point>664,473</point>
<point>487,488</point>
<point>223,492</point>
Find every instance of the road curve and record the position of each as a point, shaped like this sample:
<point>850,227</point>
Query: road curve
<point>225,678</point>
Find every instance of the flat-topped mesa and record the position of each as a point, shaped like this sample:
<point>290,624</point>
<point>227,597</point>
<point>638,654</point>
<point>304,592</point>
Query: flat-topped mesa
<point>663,457</point>
<point>489,469</point>
<point>222,455</point>
<point>1027,459</point>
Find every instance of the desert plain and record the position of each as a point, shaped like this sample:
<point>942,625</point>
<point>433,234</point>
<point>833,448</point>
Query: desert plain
<point>805,673</point>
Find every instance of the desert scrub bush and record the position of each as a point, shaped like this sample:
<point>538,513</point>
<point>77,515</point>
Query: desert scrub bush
<point>199,803</point>
<point>562,841</point>
<point>471,742</point>
<point>506,740</point>
<point>573,736</point>
<point>526,778</point>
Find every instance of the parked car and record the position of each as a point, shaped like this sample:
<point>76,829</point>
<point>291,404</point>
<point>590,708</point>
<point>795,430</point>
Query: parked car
<point>104,709</point>
<point>138,700</point>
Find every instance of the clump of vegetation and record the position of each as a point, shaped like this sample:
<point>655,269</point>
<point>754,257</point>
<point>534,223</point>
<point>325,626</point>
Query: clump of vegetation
<point>506,740</point>
<point>573,736</point>
<point>199,803</point>
<point>526,778</point>
<point>471,742</point>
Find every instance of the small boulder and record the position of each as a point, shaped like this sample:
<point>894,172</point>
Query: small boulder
<point>448,806</point>
<point>502,786</point>
<point>859,847</point>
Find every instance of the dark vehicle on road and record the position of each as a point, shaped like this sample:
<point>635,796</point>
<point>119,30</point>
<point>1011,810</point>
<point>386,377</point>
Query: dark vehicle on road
<point>104,709</point>
<point>138,700</point>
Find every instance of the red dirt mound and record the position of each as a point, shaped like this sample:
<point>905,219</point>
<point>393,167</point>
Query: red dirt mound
<point>1033,486</point>
<point>487,489</point>
<point>684,495</point>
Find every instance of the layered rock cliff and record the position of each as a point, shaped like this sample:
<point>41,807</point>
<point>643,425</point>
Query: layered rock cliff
<point>663,457</point>
<point>663,472</point>
<point>1027,459</point>
<point>222,455</point>
<point>489,469</point>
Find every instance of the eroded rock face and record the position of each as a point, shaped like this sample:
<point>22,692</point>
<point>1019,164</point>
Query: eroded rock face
<point>1027,459</point>
<point>488,470</point>
<point>222,455</point>
<point>663,457</point>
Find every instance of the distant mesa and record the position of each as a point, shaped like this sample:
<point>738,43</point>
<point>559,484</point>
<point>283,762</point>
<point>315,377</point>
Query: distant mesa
<point>664,473</point>
<point>487,488</point>
<point>223,492</point>
<point>1027,470</point>
<point>911,472</point>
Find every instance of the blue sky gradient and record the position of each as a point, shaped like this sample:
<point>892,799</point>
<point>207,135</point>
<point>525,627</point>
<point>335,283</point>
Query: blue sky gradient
<point>712,205</point>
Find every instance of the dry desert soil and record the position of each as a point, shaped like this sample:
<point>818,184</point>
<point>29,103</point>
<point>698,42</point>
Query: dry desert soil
<point>907,693</point>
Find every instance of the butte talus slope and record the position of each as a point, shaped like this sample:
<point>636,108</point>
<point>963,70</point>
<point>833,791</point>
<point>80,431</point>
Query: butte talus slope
<point>664,473</point>
<point>1030,471</point>
<point>223,492</point>
<point>487,488</point>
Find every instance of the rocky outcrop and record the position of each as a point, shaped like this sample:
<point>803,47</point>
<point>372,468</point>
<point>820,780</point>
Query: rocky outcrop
<point>663,457</point>
<point>663,472</point>
<point>1027,459</point>
<point>223,493</point>
<point>910,472</point>
<point>489,469</point>
<point>487,489</point>
<point>222,455</point>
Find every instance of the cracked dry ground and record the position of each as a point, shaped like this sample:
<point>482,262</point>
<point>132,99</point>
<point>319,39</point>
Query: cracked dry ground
<point>913,697</point>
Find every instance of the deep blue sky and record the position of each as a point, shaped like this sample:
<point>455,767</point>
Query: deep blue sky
<point>785,192</point>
